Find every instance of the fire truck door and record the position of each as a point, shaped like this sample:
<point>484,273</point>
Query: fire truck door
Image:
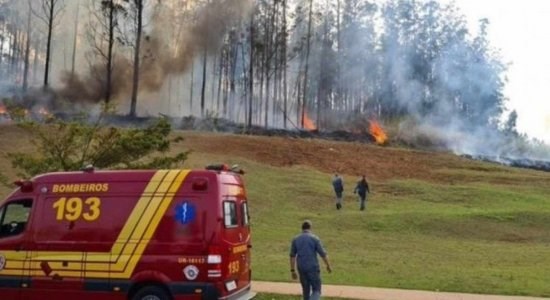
<point>14,232</point>
<point>55,262</point>
<point>54,275</point>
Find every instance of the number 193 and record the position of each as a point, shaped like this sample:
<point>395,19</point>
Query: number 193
<point>75,208</point>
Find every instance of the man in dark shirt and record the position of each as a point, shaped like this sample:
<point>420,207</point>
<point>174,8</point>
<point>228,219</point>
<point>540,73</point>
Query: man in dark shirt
<point>338,185</point>
<point>362,189</point>
<point>303,252</point>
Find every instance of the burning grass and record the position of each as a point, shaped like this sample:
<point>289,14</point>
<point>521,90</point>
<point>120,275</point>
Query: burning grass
<point>378,133</point>
<point>308,123</point>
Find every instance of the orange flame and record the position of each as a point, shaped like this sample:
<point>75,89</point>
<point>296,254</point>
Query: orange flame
<point>3,109</point>
<point>378,133</point>
<point>308,123</point>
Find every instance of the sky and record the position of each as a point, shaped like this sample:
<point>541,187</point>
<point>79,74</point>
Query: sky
<point>521,30</point>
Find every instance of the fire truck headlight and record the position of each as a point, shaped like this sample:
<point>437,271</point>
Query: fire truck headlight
<point>191,272</point>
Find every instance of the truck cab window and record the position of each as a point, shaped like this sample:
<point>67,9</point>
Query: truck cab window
<point>230,214</point>
<point>14,217</point>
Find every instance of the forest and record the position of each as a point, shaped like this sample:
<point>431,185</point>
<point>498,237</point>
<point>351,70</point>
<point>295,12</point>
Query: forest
<point>292,64</point>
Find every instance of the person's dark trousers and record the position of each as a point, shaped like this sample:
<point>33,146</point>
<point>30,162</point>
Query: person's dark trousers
<point>311,285</point>
<point>339,199</point>
<point>363,201</point>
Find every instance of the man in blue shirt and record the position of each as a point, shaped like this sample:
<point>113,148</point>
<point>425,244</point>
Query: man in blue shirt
<point>303,253</point>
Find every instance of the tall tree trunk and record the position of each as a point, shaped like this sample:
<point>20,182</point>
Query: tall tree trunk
<point>203,88</point>
<point>267,87</point>
<point>275,82</point>
<point>338,56</point>
<point>251,72</point>
<point>75,39</point>
<point>234,57</point>
<point>49,42</point>
<point>308,46</point>
<point>191,85</point>
<point>226,88</point>
<point>110,51</point>
<point>299,80</point>
<point>213,84</point>
<point>2,37</point>
<point>261,64</point>
<point>284,67</point>
<point>13,56</point>
<point>27,50</point>
<point>267,62</point>
<point>220,76</point>
<point>20,55</point>
<point>35,62</point>
<point>323,84</point>
<point>244,84</point>
<point>137,50</point>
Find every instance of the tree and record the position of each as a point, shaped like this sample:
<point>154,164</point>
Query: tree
<point>284,65</point>
<point>11,20</point>
<point>49,13</point>
<point>110,11</point>
<point>75,35</point>
<point>308,47</point>
<point>27,48</point>
<point>510,126</point>
<point>71,145</point>
<point>137,9</point>
<point>103,35</point>
<point>251,71</point>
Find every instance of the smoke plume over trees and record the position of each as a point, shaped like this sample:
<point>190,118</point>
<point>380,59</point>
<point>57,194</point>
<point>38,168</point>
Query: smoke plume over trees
<point>275,63</point>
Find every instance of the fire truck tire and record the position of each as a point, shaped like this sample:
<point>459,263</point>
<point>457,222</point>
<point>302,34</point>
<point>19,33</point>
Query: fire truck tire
<point>151,293</point>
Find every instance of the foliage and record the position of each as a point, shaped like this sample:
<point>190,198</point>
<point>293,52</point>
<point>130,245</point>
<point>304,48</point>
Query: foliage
<point>71,145</point>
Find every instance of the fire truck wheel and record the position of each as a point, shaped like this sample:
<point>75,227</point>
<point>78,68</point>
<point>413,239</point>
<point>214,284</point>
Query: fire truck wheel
<point>151,293</point>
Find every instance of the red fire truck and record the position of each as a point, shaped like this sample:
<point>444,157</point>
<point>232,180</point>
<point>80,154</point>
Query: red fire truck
<point>138,235</point>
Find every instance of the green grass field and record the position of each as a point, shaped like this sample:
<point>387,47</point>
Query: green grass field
<point>470,238</point>
<point>474,237</point>
<point>476,227</point>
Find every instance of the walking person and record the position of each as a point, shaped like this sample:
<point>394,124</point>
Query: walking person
<point>303,254</point>
<point>338,185</point>
<point>362,189</point>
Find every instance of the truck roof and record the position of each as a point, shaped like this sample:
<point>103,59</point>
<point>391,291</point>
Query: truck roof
<point>120,176</point>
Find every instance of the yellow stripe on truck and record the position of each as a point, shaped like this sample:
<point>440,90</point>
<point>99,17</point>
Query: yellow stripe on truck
<point>127,250</point>
<point>139,209</point>
<point>153,226</point>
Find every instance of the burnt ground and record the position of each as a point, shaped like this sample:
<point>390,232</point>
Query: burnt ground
<point>379,163</point>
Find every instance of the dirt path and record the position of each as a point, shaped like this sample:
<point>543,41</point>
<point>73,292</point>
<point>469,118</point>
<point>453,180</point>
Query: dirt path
<point>366,293</point>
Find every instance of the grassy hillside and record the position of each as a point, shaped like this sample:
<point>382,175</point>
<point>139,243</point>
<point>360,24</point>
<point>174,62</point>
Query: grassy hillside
<point>434,221</point>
